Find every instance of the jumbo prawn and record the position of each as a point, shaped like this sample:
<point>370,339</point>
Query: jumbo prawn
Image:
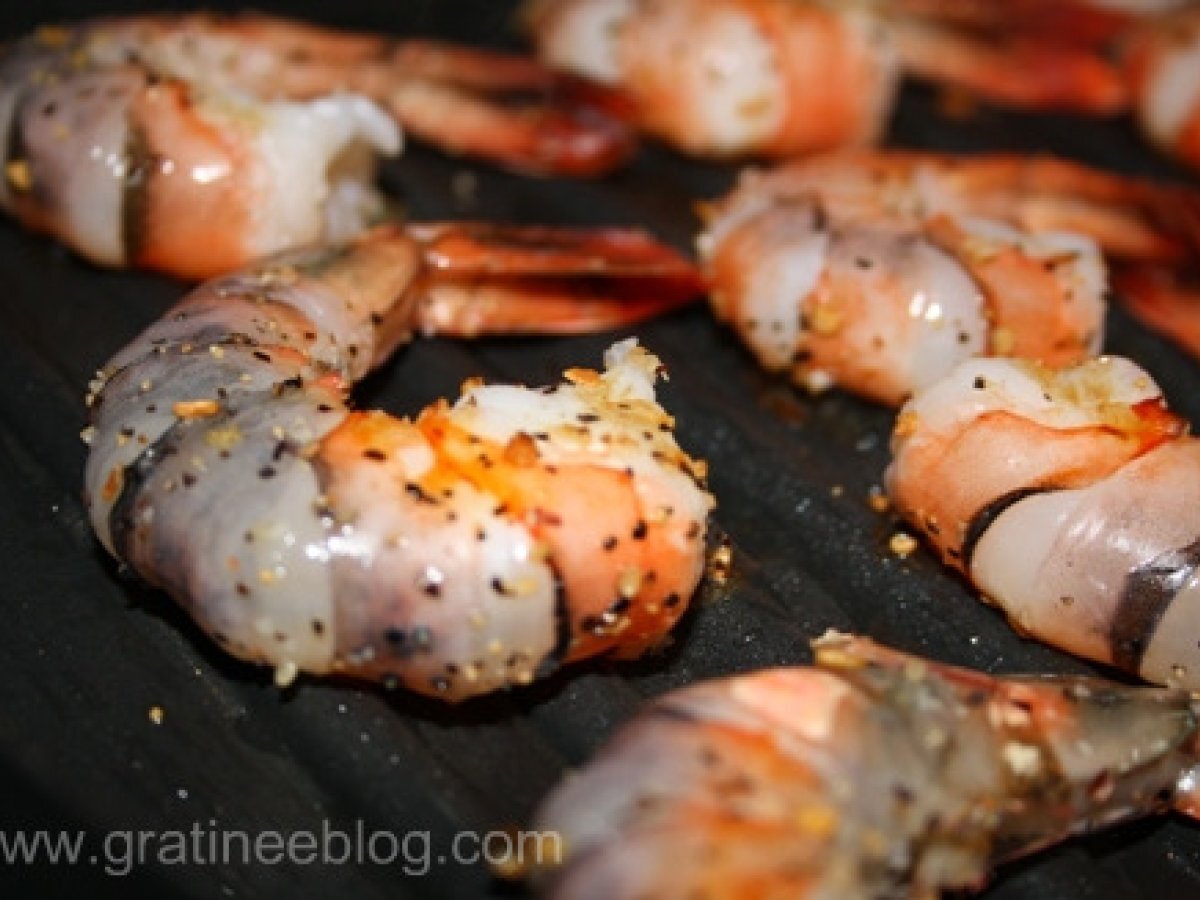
<point>872,774</point>
<point>879,271</point>
<point>1070,499</point>
<point>196,143</point>
<point>476,546</point>
<point>777,78</point>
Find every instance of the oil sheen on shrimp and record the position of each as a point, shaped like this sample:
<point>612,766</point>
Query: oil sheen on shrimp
<point>872,774</point>
<point>196,143</point>
<point>874,272</point>
<point>782,77</point>
<point>1070,499</point>
<point>475,546</point>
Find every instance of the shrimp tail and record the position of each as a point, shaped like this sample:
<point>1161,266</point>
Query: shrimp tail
<point>1018,71</point>
<point>1118,750</point>
<point>872,774</point>
<point>511,110</point>
<point>1162,290</point>
<point>1078,22</point>
<point>1164,301</point>
<point>504,279</point>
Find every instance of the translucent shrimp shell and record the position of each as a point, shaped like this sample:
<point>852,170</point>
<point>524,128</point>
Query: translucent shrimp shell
<point>874,774</point>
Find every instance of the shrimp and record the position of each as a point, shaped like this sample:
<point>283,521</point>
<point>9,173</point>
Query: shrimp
<point>872,774</point>
<point>730,78</point>
<point>1070,499</point>
<point>858,271</point>
<point>193,144</point>
<point>1155,48</point>
<point>879,271</point>
<point>1162,59</point>
<point>778,77</point>
<point>476,546</point>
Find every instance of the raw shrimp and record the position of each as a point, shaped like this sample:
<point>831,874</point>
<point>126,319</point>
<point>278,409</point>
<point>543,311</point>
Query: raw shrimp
<point>195,143</point>
<point>473,547</point>
<point>1070,499</point>
<point>853,272</point>
<point>872,774</point>
<point>782,77</point>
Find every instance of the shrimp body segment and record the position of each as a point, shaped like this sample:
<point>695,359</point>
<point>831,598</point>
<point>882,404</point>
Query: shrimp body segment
<point>1070,499</point>
<point>872,774</point>
<point>475,546</point>
<point>196,143</point>
<point>875,273</point>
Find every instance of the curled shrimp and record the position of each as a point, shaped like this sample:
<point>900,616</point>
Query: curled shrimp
<point>779,77</point>
<point>475,546</point>
<point>195,143</point>
<point>879,271</point>
<point>1070,499</point>
<point>872,774</point>
<point>874,272</point>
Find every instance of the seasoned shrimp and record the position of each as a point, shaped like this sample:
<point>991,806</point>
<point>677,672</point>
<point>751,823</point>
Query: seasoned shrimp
<point>194,143</point>
<point>1070,499</point>
<point>782,77</point>
<point>879,271</point>
<point>475,546</point>
<point>854,272</point>
<point>872,774</point>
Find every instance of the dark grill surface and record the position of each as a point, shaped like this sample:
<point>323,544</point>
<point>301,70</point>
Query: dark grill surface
<point>87,652</point>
